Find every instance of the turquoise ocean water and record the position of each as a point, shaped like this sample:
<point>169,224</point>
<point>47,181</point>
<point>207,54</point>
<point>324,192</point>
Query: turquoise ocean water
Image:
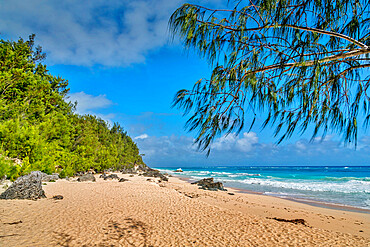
<point>343,186</point>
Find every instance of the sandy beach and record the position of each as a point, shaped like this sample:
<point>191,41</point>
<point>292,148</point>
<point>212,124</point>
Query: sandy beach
<point>175,213</point>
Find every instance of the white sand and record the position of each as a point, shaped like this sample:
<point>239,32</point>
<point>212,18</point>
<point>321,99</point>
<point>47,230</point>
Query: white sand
<point>174,213</point>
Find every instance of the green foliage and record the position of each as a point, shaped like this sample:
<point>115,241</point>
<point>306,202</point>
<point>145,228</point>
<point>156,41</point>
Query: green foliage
<point>39,127</point>
<point>8,167</point>
<point>305,63</point>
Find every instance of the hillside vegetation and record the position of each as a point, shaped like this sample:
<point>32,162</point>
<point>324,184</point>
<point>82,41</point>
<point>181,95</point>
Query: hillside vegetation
<point>40,128</point>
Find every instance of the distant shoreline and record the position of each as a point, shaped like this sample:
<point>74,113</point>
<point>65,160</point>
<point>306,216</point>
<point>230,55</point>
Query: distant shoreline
<point>312,202</point>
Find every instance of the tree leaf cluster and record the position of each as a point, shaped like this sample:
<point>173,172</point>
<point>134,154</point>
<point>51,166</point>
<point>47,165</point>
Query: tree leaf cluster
<point>304,64</point>
<point>40,128</point>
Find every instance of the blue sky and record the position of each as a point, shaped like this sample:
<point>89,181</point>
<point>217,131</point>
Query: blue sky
<point>123,67</point>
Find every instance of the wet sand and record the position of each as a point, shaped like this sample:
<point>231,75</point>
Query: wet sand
<point>175,213</point>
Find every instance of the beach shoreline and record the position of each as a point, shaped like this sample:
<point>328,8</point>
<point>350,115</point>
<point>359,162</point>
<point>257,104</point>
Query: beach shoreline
<point>314,203</point>
<point>337,187</point>
<point>146,212</point>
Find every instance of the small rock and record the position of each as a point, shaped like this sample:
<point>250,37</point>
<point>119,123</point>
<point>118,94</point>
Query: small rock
<point>230,193</point>
<point>111,176</point>
<point>58,197</point>
<point>86,177</point>
<point>122,180</point>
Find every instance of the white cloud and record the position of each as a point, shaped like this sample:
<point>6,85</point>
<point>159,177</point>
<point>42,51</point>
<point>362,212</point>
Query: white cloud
<point>168,149</point>
<point>246,143</point>
<point>141,137</point>
<point>87,102</point>
<point>90,104</point>
<point>180,150</point>
<point>246,150</point>
<point>111,33</point>
<point>233,142</point>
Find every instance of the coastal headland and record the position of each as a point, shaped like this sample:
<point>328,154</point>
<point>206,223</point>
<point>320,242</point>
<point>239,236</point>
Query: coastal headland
<point>146,212</point>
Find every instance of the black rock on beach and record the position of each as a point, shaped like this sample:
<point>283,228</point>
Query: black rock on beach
<point>209,184</point>
<point>26,187</point>
<point>86,177</point>
<point>155,173</point>
<point>111,176</point>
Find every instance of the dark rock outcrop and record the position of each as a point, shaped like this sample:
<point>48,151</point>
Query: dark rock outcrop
<point>111,176</point>
<point>26,187</point>
<point>129,171</point>
<point>155,174</point>
<point>122,180</point>
<point>209,184</point>
<point>86,177</point>
<point>143,168</point>
<point>135,170</point>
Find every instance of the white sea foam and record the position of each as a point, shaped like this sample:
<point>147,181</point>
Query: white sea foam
<point>283,194</point>
<point>352,186</point>
<point>366,179</point>
<point>234,176</point>
<point>244,174</point>
<point>202,173</point>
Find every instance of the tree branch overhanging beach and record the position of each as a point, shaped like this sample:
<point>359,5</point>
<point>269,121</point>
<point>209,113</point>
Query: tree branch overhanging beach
<point>301,63</point>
